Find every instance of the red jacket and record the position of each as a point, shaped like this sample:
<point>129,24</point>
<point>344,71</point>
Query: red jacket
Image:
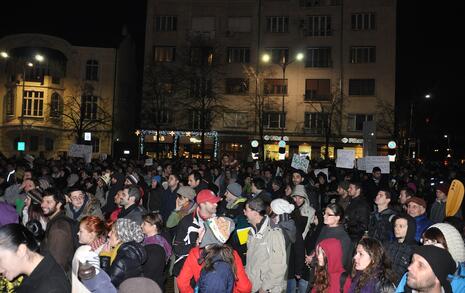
<point>192,268</point>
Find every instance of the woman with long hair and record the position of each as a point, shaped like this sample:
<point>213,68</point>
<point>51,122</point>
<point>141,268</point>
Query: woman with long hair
<point>19,256</point>
<point>371,271</point>
<point>330,274</point>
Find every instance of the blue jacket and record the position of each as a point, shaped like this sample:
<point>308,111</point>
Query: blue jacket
<point>220,279</point>
<point>422,224</point>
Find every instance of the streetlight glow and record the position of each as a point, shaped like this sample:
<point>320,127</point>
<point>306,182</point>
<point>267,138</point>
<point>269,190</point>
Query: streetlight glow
<point>39,57</point>
<point>427,96</point>
<point>299,56</point>
<point>445,135</point>
<point>4,54</point>
<point>266,58</point>
<point>30,64</point>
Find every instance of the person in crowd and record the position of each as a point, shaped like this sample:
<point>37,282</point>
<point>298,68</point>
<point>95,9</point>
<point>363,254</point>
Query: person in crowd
<point>169,195</point>
<point>130,199</point>
<point>152,226</point>
<point>373,184</point>
<point>153,201</point>
<point>330,274</point>
<point>188,228</point>
<point>117,184</point>
<point>101,189</point>
<point>123,255</point>
<point>298,178</point>
<point>400,249</point>
<point>19,256</point>
<point>113,216</point>
<point>438,208</point>
<point>357,214</point>
<point>82,204</point>
<point>343,198</point>
<point>429,270</point>
<point>212,251</point>
<point>92,235</point>
<point>416,208</point>
<point>371,271</point>
<point>185,205</point>
<point>333,228</point>
<point>59,232</point>
<point>405,194</point>
<point>259,189</point>
<point>8,214</point>
<point>277,187</point>
<point>300,197</point>
<point>380,226</point>
<point>32,210</point>
<point>196,181</point>
<point>266,250</point>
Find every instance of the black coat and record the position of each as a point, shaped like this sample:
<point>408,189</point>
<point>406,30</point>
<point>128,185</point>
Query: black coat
<point>154,267</point>
<point>357,218</point>
<point>47,277</point>
<point>127,264</point>
<point>152,201</point>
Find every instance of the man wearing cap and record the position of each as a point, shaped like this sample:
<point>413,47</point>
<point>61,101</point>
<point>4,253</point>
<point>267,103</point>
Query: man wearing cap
<point>428,270</point>
<point>266,250</point>
<point>416,208</point>
<point>438,209</point>
<point>187,230</point>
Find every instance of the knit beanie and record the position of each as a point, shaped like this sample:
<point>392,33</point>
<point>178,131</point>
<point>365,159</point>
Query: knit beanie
<point>454,241</point>
<point>140,285</point>
<point>235,189</point>
<point>281,206</point>
<point>134,180</point>
<point>440,261</point>
<point>128,230</point>
<point>217,231</point>
<point>443,187</point>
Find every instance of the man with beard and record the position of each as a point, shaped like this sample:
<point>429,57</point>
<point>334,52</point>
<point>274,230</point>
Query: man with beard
<point>59,232</point>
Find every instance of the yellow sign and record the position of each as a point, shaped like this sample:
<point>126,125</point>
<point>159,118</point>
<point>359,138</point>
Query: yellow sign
<point>243,235</point>
<point>454,198</point>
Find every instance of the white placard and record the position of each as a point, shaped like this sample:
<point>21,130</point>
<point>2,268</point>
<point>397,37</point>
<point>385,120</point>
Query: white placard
<point>325,170</point>
<point>148,162</point>
<point>361,166</point>
<point>300,163</point>
<point>345,159</point>
<point>81,151</point>
<point>87,136</point>
<point>377,161</point>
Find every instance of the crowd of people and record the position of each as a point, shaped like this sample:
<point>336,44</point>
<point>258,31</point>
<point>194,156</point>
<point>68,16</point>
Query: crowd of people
<point>228,226</point>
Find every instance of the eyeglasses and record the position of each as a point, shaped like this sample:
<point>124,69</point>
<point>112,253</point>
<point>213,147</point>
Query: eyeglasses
<point>328,215</point>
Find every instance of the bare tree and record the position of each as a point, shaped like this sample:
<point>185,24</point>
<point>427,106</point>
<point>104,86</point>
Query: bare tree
<point>82,113</point>
<point>385,117</point>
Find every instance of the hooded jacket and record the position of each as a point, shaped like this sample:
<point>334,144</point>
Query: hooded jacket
<point>423,223</point>
<point>400,253</point>
<point>114,188</point>
<point>307,212</point>
<point>333,251</point>
<point>340,234</point>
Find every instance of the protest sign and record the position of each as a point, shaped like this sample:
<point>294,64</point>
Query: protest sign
<point>345,159</point>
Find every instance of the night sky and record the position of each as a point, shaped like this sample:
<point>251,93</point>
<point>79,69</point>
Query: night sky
<point>430,51</point>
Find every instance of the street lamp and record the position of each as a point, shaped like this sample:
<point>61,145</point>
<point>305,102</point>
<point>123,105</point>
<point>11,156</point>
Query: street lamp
<point>283,63</point>
<point>38,58</point>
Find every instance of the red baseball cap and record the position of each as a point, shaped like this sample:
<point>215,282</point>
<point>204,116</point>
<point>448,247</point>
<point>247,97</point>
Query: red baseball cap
<point>207,195</point>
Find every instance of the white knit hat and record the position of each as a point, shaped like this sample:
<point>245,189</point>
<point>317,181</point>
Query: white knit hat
<point>454,241</point>
<point>281,206</point>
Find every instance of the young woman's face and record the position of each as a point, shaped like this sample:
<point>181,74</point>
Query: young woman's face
<point>10,264</point>
<point>85,237</point>
<point>148,228</point>
<point>330,219</point>
<point>113,237</point>
<point>361,259</point>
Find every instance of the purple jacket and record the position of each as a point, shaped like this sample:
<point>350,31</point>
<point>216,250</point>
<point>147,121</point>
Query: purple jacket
<point>8,214</point>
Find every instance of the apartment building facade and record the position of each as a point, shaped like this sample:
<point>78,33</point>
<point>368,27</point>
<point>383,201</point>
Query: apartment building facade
<point>346,76</point>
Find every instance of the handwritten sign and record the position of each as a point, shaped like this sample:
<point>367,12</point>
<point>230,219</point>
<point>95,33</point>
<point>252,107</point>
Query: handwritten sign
<point>377,161</point>
<point>361,164</point>
<point>325,171</point>
<point>81,151</point>
<point>345,159</point>
<point>299,163</point>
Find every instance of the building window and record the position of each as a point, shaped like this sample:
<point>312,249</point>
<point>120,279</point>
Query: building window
<point>361,87</point>
<point>49,144</point>
<point>277,24</point>
<point>92,70</point>
<point>274,120</point>
<point>362,54</point>
<point>363,21</point>
<point>90,104</point>
<point>319,26</point>
<point>310,3</point>
<point>201,56</point>
<point>238,55</point>
<point>355,121</point>
<point>9,103</point>
<point>163,116</point>
<point>95,145</point>
<point>33,104</point>
<point>201,87</point>
<point>318,57</point>
<point>317,89</point>
<point>55,105</point>
<point>237,86</point>
<point>315,122</point>
<point>33,143</point>
<point>196,122</point>
<point>166,23</point>
<point>278,55</point>
<point>164,54</point>
<point>239,24</point>
<point>203,24</point>
<point>275,86</point>
<point>235,120</point>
